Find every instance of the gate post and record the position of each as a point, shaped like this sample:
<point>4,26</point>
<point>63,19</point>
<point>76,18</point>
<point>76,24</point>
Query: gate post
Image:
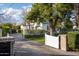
<point>63,42</point>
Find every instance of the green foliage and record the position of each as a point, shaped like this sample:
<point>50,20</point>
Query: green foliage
<point>68,25</point>
<point>73,40</point>
<point>18,29</point>
<point>48,11</point>
<point>5,29</point>
<point>35,32</point>
<point>34,14</point>
<point>37,38</point>
<point>42,12</point>
<point>62,13</point>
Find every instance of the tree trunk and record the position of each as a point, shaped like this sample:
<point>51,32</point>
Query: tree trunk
<point>52,25</point>
<point>76,7</point>
<point>29,25</point>
<point>50,29</point>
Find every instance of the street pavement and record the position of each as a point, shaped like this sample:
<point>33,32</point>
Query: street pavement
<point>24,47</point>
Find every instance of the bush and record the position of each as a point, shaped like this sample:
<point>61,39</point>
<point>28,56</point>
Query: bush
<point>36,36</point>
<point>9,28</point>
<point>73,40</point>
<point>18,29</point>
<point>5,30</point>
<point>35,32</point>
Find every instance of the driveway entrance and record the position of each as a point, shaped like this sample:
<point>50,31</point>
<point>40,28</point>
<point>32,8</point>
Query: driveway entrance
<point>24,47</point>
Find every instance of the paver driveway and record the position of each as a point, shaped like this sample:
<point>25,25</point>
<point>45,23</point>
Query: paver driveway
<point>31,48</point>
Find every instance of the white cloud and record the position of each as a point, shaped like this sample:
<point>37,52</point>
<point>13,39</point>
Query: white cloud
<point>12,15</point>
<point>11,11</point>
<point>28,9</point>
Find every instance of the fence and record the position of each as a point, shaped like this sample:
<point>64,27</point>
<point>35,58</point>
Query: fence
<point>59,42</point>
<point>52,41</point>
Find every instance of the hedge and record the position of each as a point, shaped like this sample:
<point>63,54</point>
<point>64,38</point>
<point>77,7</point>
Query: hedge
<point>37,36</point>
<point>73,40</point>
<point>5,31</point>
<point>34,32</point>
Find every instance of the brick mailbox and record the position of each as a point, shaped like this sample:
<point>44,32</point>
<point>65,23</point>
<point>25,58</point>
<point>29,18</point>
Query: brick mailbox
<point>6,46</point>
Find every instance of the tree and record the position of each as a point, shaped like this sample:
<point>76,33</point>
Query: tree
<point>76,8</point>
<point>54,13</point>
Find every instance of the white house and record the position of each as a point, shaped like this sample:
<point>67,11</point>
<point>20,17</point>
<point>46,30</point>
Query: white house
<point>41,26</point>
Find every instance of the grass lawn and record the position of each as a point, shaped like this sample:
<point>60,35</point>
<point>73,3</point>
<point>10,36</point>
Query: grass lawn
<point>39,39</point>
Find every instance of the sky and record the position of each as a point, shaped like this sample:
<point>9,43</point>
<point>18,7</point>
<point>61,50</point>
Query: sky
<point>13,12</point>
<point>15,5</point>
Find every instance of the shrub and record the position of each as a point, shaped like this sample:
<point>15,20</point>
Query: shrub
<point>35,32</point>
<point>5,30</point>
<point>7,27</point>
<point>18,29</point>
<point>36,36</point>
<point>73,40</point>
